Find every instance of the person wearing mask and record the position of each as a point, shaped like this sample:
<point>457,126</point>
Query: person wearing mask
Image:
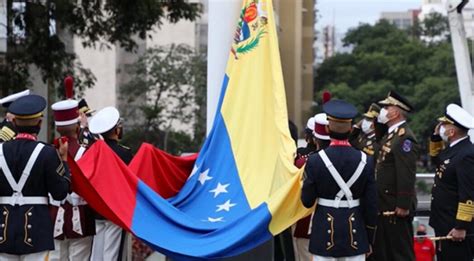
<point>395,174</point>
<point>424,247</point>
<point>363,133</point>
<point>452,201</point>
<point>340,180</point>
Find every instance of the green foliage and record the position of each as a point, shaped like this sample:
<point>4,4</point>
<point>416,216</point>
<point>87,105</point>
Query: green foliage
<point>97,23</point>
<point>435,27</point>
<point>385,58</point>
<point>167,88</point>
<point>423,188</point>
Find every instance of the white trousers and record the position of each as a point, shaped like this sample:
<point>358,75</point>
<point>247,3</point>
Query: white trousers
<point>347,258</point>
<point>301,245</point>
<point>77,249</point>
<point>106,243</point>
<point>30,257</point>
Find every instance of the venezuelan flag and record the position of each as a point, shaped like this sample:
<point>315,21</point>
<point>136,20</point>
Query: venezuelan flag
<point>243,188</point>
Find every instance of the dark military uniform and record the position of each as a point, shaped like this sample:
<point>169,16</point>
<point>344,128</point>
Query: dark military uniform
<point>342,231</point>
<point>28,228</point>
<point>7,131</point>
<point>452,199</point>
<point>396,175</point>
<point>340,179</point>
<point>29,171</point>
<point>452,202</point>
<point>122,151</point>
<point>364,142</point>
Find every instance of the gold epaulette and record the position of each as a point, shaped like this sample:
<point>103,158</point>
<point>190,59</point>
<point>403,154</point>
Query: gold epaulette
<point>436,147</point>
<point>6,133</point>
<point>465,211</point>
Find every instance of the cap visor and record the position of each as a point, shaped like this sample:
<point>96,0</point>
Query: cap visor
<point>445,119</point>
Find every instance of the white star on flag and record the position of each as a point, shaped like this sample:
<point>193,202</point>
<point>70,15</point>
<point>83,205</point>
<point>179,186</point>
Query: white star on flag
<point>226,206</point>
<point>219,189</point>
<point>213,220</point>
<point>203,177</point>
<point>195,170</point>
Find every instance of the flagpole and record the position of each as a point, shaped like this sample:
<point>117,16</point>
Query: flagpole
<point>222,22</point>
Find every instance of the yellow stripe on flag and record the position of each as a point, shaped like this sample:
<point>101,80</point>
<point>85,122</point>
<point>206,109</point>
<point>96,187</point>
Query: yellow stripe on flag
<point>257,123</point>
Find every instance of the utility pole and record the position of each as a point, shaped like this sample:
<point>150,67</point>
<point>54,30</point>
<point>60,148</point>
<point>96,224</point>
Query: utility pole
<point>461,54</point>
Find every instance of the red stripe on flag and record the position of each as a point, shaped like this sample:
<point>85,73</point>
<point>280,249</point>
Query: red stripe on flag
<point>106,183</point>
<point>162,172</point>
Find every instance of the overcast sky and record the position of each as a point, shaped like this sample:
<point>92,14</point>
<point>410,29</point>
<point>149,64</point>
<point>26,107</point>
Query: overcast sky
<point>349,13</point>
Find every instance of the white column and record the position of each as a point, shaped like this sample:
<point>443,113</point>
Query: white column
<point>222,22</point>
<point>3,26</point>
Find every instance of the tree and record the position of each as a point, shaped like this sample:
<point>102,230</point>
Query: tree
<point>434,28</point>
<point>36,34</point>
<point>385,58</point>
<point>167,88</point>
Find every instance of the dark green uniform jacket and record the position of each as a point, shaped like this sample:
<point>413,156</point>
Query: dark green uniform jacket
<point>396,170</point>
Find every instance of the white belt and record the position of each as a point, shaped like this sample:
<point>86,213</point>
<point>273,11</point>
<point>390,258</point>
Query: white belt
<point>342,203</point>
<point>18,199</point>
<point>75,200</point>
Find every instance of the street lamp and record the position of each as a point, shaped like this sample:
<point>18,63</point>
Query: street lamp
<point>461,54</point>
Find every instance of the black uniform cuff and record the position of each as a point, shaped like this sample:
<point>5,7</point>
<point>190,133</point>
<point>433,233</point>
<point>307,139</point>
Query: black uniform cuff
<point>371,234</point>
<point>436,138</point>
<point>67,172</point>
<point>462,224</point>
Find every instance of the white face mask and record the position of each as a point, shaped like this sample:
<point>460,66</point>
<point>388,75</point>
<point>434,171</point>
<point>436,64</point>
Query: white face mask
<point>382,118</point>
<point>366,126</point>
<point>442,133</point>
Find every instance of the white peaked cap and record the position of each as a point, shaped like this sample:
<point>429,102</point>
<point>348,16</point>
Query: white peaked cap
<point>458,116</point>
<point>13,97</point>
<point>104,120</point>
